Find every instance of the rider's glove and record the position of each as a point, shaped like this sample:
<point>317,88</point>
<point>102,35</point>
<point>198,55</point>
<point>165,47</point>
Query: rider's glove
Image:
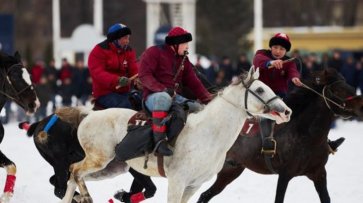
<point>123,81</point>
<point>170,91</point>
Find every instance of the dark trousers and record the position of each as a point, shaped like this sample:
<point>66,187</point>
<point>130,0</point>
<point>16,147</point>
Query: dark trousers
<point>114,100</point>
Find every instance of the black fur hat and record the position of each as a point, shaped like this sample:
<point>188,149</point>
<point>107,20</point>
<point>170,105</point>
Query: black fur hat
<point>178,35</point>
<point>281,39</point>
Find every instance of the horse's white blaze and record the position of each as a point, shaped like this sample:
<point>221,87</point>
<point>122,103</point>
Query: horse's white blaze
<point>200,149</point>
<point>26,77</point>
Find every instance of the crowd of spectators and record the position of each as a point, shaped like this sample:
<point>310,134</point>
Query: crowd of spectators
<point>68,85</point>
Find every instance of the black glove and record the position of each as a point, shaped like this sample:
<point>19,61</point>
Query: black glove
<point>123,81</point>
<point>170,91</point>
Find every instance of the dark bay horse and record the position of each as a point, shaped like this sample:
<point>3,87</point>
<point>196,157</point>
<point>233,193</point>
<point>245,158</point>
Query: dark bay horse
<point>15,84</point>
<point>302,148</point>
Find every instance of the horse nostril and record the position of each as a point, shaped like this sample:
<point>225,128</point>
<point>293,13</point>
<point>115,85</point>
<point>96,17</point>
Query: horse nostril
<point>287,112</point>
<point>31,105</point>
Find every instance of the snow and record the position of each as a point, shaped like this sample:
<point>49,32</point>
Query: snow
<point>345,178</point>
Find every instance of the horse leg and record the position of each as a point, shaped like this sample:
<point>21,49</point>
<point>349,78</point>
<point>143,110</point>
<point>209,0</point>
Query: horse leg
<point>71,188</point>
<point>224,177</point>
<point>176,188</point>
<point>189,192</point>
<point>89,164</point>
<point>141,181</point>
<point>320,183</point>
<point>136,193</point>
<point>282,184</point>
<point>10,178</point>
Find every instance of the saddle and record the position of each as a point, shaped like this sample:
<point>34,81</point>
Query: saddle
<point>139,138</point>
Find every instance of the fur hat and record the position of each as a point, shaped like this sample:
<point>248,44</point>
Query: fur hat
<point>280,39</point>
<point>178,35</point>
<point>117,31</point>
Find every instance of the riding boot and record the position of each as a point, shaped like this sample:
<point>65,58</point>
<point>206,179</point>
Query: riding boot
<point>335,144</point>
<point>159,131</point>
<point>268,141</point>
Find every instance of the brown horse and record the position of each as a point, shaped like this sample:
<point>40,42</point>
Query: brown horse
<point>302,148</point>
<point>15,85</point>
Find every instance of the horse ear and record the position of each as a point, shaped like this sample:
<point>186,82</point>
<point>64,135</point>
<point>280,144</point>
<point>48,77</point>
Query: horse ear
<point>254,73</point>
<point>17,56</point>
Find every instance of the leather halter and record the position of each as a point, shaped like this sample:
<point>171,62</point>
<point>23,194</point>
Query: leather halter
<point>341,105</point>
<point>248,90</point>
<point>267,107</point>
<point>7,83</point>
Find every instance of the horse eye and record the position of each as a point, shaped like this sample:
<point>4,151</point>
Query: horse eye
<point>259,90</point>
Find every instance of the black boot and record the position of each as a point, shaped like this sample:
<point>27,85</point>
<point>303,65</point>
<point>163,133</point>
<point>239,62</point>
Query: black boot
<point>122,196</point>
<point>161,144</point>
<point>336,143</point>
<point>268,141</point>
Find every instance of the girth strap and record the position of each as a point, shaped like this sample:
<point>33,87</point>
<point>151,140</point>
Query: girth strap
<point>270,153</point>
<point>160,160</point>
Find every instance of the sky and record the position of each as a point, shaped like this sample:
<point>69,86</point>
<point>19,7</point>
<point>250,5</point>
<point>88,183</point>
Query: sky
<point>345,175</point>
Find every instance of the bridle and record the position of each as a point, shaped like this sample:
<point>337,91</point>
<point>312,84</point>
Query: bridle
<point>342,102</point>
<point>8,84</point>
<point>267,107</point>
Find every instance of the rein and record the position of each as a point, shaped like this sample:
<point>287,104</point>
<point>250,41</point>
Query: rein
<point>326,99</point>
<point>180,69</point>
<point>16,97</point>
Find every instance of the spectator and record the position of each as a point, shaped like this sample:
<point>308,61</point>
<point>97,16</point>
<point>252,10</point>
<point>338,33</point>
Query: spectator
<point>51,74</point>
<point>37,71</point>
<point>336,61</point>
<point>243,64</point>
<point>81,82</point>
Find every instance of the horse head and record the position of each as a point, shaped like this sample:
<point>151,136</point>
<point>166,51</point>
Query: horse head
<point>260,100</point>
<point>339,96</point>
<point>16,84</point>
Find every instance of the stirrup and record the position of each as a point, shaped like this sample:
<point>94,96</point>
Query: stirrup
<point>156,148</point>
<point>269,152</point>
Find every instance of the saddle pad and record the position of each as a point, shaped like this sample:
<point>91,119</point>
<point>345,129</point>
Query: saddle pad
<point>139,119</point>
<point>250,128</point>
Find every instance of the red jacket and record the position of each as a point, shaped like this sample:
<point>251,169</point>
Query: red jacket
<point>276,79</point>
<point>37,72</point>
<point>107,64</point>
<point>158,67</point>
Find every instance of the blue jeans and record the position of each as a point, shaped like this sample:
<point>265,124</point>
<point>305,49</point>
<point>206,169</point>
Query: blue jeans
<point>161,101</point>
<point>114,100</point>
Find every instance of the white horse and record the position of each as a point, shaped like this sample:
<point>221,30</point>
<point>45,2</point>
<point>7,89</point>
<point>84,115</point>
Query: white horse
<point>200,149</point>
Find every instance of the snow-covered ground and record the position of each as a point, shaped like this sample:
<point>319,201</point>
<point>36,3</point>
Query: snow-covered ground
<point>345,175</point>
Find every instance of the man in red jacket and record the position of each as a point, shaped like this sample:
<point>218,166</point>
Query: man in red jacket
<point>164,69</point>
<point>276,73</point>
<point>111,64</point>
